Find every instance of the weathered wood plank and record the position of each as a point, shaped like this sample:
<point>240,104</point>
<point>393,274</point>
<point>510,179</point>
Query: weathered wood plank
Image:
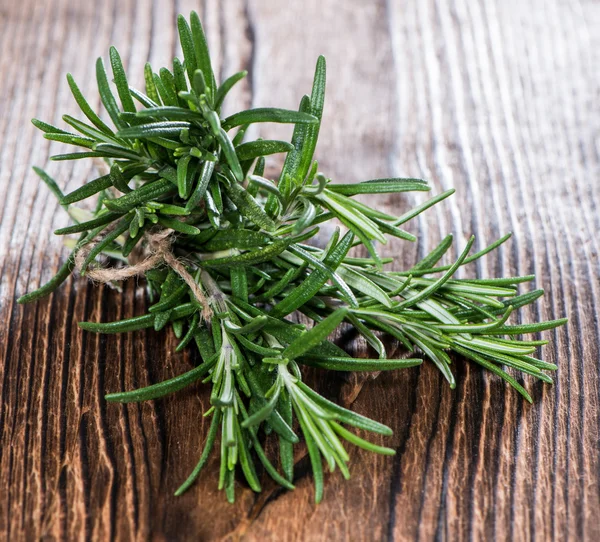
<point>496,99</point>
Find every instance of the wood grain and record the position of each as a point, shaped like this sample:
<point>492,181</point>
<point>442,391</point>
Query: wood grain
<point>498,99</point>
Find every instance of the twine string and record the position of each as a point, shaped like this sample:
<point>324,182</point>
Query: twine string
<point>159,251</point>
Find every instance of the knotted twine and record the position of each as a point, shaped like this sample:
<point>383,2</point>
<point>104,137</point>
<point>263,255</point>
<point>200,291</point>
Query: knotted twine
<point>159,251</point>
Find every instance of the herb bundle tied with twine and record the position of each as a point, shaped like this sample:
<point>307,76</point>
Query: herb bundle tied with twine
<point>229,260</point>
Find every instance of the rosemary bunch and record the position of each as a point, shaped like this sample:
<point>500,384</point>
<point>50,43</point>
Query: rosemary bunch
<point>228,260</point>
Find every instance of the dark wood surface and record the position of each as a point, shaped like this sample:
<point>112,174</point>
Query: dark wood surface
<point>498,99</point>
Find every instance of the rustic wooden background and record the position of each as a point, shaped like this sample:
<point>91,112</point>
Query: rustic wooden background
<point>498,99</point>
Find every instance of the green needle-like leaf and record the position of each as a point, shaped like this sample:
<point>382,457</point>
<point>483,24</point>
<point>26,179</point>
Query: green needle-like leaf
<point>317,100</point>
<point>87,190</point>
<point>121,81</point>
<point>264,114</point>
<point>227,86</point>
<point>171,113</point>
<point>248,206</point>
<point>305,291</point>
<point>101,220</point>
<point>166,128</point>
<point>198,193</point>
<point>202,53</point>
<point>315,336</point>
<point>162,388</point>
<point>379,186</point>
<point>50,183</point>
<point>187,44</point>
<point>85,107</point>
<point>254,149</point>
<point>183,185</point>
<point>352,364</point>
<point>361,443</point>
<point>141,195</point>
<point>63,274</point>
<point>106,94</point>
<point>230,154</point>
<point>208,446</point>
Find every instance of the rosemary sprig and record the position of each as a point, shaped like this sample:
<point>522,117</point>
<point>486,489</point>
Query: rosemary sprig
<point>183,179</point>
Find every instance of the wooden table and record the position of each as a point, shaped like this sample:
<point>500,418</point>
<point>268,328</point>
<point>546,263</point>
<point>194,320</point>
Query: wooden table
<point>496,99</point>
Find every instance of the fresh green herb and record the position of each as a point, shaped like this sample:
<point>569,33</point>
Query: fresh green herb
<point>177,166</point>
